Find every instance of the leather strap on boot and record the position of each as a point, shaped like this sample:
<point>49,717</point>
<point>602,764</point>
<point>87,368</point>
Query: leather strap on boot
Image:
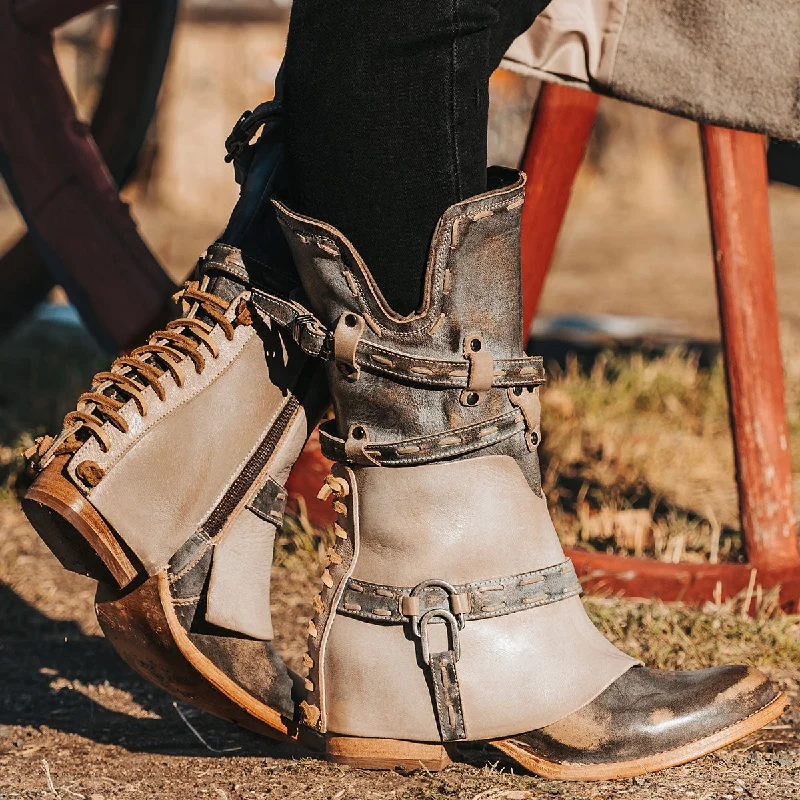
<point>479,600</point>
<point>435,384</point>
<point>439,602</point>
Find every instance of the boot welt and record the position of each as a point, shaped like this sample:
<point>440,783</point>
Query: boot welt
<point>142,627</point>
<point>75,532</point>
<point>388,754</point>
<point>628,769</point>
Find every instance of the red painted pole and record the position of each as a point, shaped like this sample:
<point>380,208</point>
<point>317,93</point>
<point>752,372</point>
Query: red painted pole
<point>736,181</point>
<point>559,134</point>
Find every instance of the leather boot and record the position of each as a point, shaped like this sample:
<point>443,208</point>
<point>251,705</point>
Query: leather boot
<point>448,612</point>
<point>166,483</point>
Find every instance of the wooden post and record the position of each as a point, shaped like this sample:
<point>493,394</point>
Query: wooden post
<point>25,281</point>
<point>736,180</point>
<point>560,131</point>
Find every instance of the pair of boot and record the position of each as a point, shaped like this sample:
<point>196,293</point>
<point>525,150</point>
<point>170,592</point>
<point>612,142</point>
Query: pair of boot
<point>448,612</point>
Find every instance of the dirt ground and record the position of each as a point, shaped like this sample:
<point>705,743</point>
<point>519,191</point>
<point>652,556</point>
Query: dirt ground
<point>75,722</point>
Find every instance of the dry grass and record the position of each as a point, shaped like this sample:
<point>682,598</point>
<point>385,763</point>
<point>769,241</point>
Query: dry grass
<point>637,454</point>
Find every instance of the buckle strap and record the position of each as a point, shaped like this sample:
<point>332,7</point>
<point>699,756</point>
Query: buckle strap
<point>495,597</point>
<point>318,341</point>
<point>310,335</point>
<point>237,144</point>
<point>437,601</point>
<point>423,449</point>
<point>447,693</point>
<point>439,373</point>
<point>221,257</point>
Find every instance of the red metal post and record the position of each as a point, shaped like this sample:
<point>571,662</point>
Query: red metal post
<point>559,134</point>
<point>736,181</point>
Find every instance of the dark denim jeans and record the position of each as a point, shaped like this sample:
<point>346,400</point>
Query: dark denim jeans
<point>387,106</point>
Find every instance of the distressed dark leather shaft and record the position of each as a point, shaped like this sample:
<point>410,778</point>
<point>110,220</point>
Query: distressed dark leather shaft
<point>471,317</point>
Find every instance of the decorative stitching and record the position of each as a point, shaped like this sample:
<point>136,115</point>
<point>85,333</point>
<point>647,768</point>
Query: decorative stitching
<point>435,326</point>
<point>373,325</point>
<point>430,448</point>
<point>476,600</point>
<point>185,601</point>
<point>174,578</point>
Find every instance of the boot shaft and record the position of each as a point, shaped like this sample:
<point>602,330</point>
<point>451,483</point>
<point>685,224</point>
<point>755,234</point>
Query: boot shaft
<point>448,380</point>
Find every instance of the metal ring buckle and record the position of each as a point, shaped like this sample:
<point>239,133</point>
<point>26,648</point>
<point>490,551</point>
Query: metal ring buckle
<point>452,622</point>
<point>459,619</point>
<point>303,322</point>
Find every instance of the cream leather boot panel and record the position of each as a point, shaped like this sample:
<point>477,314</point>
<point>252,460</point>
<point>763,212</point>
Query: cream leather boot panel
<point>460,521</point>
<point>527,670</point>
<point>238,592</point>
<point>517,673</point>
<point>571,41</point>
<point>159,410</point>
<point>374,685</point>
<point>173,477</point>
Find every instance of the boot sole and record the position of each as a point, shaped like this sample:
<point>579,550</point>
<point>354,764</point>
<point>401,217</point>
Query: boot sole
<point>629,769</point>
<point>143,628</point>
<point>387,754</point>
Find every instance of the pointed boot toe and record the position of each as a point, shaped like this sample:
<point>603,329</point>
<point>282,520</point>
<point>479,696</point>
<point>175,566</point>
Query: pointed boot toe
<point>648,720</point>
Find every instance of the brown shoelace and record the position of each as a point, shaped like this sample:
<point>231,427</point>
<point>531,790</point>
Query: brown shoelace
<point>131,374</point>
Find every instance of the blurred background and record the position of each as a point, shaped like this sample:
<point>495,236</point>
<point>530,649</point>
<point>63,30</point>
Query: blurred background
<point>637,418</point>
<point>635,242</point>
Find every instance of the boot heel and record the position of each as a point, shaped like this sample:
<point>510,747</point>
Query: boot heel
<point>73,530</point>
<point>386,753</point>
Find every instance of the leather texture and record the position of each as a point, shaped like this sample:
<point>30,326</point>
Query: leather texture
<point>238,592</point>
<point>491,597</point>
<point>543,675</point>
<point>486,523</point>
<point>646,712</point>
<point>476,243</point>
<point>241,573</point>
<point>252,663</point>
<point>193,477</point>
<point>164,457</point>
<point>460,520</point>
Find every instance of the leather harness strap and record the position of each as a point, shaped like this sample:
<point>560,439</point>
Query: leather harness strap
<point>485,599</point>
<point>422,450</point>
<point>316,340</point>
<point>437,601</point>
